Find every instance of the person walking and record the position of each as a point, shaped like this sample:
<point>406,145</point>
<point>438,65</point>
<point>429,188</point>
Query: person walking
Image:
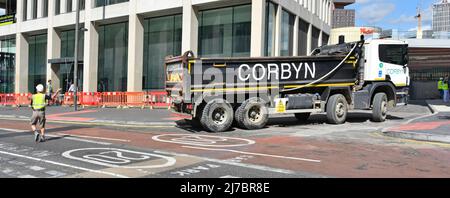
<point>440,88</point>
<point>38,104</point>
<point>49,91</point>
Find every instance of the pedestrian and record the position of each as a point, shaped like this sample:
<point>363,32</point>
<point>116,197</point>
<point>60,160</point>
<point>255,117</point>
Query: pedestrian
<point>49,91</point>
<point>440,88</point>
<point>72,88</point>
<point>38,103</point>
<point>445,89</point>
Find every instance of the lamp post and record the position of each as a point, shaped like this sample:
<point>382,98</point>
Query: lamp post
<point>75,73</point>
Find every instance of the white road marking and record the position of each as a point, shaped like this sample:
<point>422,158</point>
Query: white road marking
<point>36,168</point>
<point>228,176</point>
<point>100,158</point>
<point>27,176</point>
<point>55,173</point>
<point>202,140</point>
<point>251,166</point>
<point>14,130</point>
<point>259,154</point>
<point>79,140</point>
<point>64,165</point>
<point>94,137</point>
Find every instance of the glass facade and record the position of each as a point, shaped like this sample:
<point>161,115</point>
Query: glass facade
<point>162,38</point>
<point>303,28</point>
<point>225,32</point>
<point>7,65</point>
<point>65,71</point>
<point>37,61</point>
<point>315,38</point>
<point>287,34</point>
<point>99,3</point>
<point>113,57</point>
<point>271,13</point>
<point>325,38</point>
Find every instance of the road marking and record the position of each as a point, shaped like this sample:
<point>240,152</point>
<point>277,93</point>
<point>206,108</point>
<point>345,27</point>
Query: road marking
<point>259,154</point>
<point>64,165</point>
<point>94,137</point>
<point>251,166</point>
<point>100,158</point>
<point>202,140</point>
<point>380,135</point>
<point>27,176</point>
<point>13,130</point>
<point>36,168</point>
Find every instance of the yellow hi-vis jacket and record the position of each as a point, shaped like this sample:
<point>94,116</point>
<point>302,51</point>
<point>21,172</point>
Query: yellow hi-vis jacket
<point>444,86</point>
<point>440,85</point>
<point>38,101</point>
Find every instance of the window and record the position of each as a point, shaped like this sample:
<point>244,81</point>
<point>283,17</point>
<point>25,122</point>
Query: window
<point>113,57</point>
<point>34,9</point>
<point>65,72</point>
<point>24,10</point>
<point>287,34</point>
<point>57,7</point>
<point>271,13</point>
<point>225,32</point>
<point>325,39</point>
<point>45,9</point>
<point>162,38</point>
<point>7,65</point>
<point>393,54</point>
<point>37,61</point>
<point>69,6</point>
<point>303,28</point>
<point>315,38</point>
<point>99,3</point>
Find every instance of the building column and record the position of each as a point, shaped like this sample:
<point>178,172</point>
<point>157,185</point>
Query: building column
<point>258,28</point>
<point>190,28</point>
<point>74,6</point>
<point>309,40</point>
<point>53,51</point>
<point>296,35</point>
<point>278,21</point>
<point>91,43</point>
<point>29,10</point>
<point>320,39</point>
<point>63,6</point>
<point>21,80</point>
<point>135,50</point>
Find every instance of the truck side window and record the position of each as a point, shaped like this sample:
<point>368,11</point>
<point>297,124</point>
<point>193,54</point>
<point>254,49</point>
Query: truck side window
<point>393,54</point>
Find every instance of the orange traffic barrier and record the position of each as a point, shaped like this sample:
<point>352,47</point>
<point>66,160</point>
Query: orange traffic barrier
<point>70,97</point>
<point>23,99</point>
<point>112,99</point>
<point>90,99</point>
<point>159,99</point>
<point>135,99</point>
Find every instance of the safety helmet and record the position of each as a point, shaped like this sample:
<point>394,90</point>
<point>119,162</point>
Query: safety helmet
<point>441,78</point>
<point>40,88</point>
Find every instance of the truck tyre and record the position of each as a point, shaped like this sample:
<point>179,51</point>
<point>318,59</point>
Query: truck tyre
<point>252,114</point>
<point>217,116</point>
<point>303,117</point>
<point>380,107</point>
<point>337,109</point>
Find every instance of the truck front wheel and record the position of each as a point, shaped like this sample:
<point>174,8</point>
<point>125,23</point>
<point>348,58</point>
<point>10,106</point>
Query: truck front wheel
<point>380,107</point>
<point>217,116</point>
<point>337,109</point>
<point>252,114</point>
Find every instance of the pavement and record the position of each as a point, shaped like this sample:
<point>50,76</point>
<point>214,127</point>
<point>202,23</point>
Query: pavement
<point>434,127</point>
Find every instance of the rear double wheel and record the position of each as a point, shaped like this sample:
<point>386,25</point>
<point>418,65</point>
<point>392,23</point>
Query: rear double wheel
<point>217,116</point>
<point>337,109</point>
<point>252,114</point>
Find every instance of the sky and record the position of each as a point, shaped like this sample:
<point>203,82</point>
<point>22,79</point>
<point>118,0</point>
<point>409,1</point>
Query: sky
<point>393,14</point>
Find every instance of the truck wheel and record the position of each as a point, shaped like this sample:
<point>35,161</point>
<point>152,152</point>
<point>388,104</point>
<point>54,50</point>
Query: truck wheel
<point>217,116</point>
<point>337,108</point>
<point>252,114</point>
<point>302,116</point>
<point>380,107</point>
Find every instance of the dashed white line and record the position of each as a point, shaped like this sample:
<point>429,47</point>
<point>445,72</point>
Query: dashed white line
<point>94,137</point>
<point>64,165</point>
<point>259,154</point>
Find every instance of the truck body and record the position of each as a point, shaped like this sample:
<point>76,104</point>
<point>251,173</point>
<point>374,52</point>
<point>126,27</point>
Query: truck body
<point>217,92</point>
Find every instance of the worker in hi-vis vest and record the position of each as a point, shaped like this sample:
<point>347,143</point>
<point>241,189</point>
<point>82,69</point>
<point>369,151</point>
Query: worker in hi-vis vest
<point>441,87</point>
<point>445,88</point>
<point>38,104</point>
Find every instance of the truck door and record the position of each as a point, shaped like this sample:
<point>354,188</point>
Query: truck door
<point>394,61</point>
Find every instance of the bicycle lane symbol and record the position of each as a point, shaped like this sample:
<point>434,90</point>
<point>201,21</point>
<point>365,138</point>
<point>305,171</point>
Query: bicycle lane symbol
<point>119,158</point>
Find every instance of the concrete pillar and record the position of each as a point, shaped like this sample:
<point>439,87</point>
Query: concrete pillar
<point>21,80</point>
<point>258,28</point>
<point>74,5</point>
<point>63,6</point>
<point>29,9</point>
<point>53,51</point>
<point>320,39</point>
<point>135,49</point>
<point>190,27</point>
<point>278,20</point>
<point>91,43</point>
<point>295,37</point>
<point>309,40</point>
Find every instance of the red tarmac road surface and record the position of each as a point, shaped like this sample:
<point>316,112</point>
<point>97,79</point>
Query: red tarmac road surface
<point>335,157</point>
